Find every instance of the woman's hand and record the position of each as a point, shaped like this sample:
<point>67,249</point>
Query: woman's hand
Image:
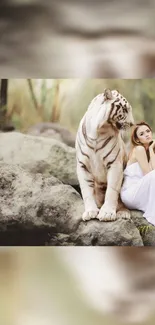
<point>152,145</point>
<point>152,154</point>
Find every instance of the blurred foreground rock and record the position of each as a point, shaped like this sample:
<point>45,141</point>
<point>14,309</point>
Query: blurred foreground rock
<point>40,206</point>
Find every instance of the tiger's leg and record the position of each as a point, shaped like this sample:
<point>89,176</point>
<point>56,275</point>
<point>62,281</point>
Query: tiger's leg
<point>122,211</point>
<point>87,189</point>
<point>114,181</point>
<point>99,193</point>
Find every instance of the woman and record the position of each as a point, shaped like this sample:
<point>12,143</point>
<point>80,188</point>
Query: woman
<point>138,190</point>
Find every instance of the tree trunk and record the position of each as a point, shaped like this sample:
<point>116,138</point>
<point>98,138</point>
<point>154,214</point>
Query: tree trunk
<point>3,93</point>
<point>34,99</point>
<point>55,116</point>
<point>38,107</point>
<point>5,125</point>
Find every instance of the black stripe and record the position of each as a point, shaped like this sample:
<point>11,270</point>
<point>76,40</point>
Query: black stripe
<point>111,162</point>
<point>83,166</point>
<point>84,129</point>
<point>105,143</point>
<point>101,140</point>
<point>112,107</point>
<point>110,151</point>
<point>83,153</point>
<point>80,141</point>
<point>115,114</point>
<point>117,100</point>
<point>90,182</point>
<point>85,135</point>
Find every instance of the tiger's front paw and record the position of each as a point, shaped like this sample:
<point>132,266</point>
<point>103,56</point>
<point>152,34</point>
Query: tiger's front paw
<point>124,214</point>
<point>107,214</point>
<point>88,215</point>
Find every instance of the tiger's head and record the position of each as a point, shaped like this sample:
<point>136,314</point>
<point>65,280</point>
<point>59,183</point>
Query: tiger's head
<point>119,110</point>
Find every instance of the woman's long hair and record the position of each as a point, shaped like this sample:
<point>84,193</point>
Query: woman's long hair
<point>134,139</point>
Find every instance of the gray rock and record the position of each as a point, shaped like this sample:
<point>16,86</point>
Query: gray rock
<point>116,233</point>
<point>39,206</point>
<point>53,130</point>
<point>39,155</point>
<point>36,204</point>
<point>39,210</point>
<point>146,230</point>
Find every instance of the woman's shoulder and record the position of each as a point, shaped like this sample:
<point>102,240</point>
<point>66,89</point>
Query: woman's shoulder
<point>139,153</point>
<point>136,151</point>
<point>139,149</point>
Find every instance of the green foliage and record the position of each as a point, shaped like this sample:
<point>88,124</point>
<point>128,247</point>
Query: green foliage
<point>43,92</point>
<point>17,121</point>
<point>71,99</point>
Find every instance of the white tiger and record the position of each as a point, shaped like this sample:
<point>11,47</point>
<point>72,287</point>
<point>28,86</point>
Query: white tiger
<point>101,155</point>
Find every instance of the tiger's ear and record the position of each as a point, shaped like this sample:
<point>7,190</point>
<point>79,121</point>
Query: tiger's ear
<point>116,91</point>
<point>107,94</point>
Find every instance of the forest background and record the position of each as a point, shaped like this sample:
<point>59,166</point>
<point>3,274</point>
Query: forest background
<point>26,102</point>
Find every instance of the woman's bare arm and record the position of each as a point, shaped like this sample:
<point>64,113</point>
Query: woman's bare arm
<point>141,157</point>
<point>152,155</point>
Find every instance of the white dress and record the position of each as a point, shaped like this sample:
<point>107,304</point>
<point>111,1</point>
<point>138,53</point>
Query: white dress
<point>138,191</point>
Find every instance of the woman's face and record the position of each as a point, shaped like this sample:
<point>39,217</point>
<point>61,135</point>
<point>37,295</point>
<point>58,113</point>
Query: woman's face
<point>144,134</point>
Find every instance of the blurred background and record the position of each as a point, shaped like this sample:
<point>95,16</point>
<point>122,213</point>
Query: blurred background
<point>38,289</point>
<point>74,39</point>
<point>27,102</point>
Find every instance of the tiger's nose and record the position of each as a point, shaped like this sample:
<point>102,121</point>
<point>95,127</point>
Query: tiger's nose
<point>131,123</point>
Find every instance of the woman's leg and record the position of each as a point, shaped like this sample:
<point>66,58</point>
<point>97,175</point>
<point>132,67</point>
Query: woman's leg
<point>150,206</point>
<point>142,196</point>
